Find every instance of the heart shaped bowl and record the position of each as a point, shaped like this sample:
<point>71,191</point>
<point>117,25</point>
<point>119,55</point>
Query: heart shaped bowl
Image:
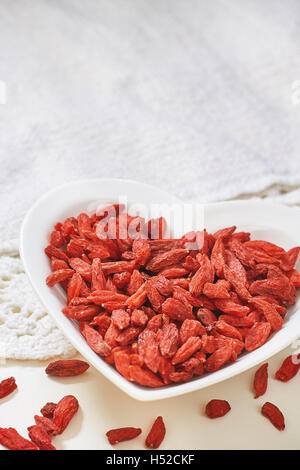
<point>272,222</point>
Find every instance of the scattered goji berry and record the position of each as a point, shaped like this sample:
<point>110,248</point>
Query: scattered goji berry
<point>11,439</point>
<point>156,434</point>
<point>288,369</point>
<point>66,368</point>
<point>274,414</point>
<point>7,386</point>
<point>40,437</point>
<point>48,410</point>
<point>66,408</point>
<point>261,380</point>
<point>217,408</point>
<point>115,436</point>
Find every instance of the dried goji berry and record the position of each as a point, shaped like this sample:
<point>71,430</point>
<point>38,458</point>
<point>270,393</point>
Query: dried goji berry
<point>242,253</point>
<point>191,345</point>
<point>139,318</point>
<point>11,439</point>
<point>47,424</point>
<point>120,318</point>
<point>166,259</point>
<point>270,248</point>
<point>274,414</point>
<point>180,376</point>
<point>176,310</point>
<point>218,358</point>
<point>142,251</point>
<point>218,257</point>
<point>98,278</point>
<point>40,437</point>
<point>148,349</point>
<point>115,436</point>
<point>208,344</point>
<point>121,280</point>
<point>127,336</point>
<point>270,313</point>
<point>228,306</point>
<point>7,386</point>
<point>81,312</point>
<point>206,316</point>
<point>227,330</point>
<point>48,410</point>
<point>156,300</point>
<point>261,380</point>
<point>66,408</point>
<point>122,363</point>
<point>138,298</point>
<point>204,274</point>
<point>190,328</point>
<point>224,232</point>
<point>237,283</point>
<point>57,264</point>
<point>169,341</point>
<point>217,408</point>
<point>82,267</point>
<point>289,259</point>
<point>156,434</point>
<point>289,368</point>
<point>219,290</point>
<point>102,323</point>
<point>236,266</point>
<point>257,335</point>
<point>96,341</point>
<point>74,286</point>
<point>53,252</point>
<point>66,368</point>
<point>144,377</point>
<point>59,276</point>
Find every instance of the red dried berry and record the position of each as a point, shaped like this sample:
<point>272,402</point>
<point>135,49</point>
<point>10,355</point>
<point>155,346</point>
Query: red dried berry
<point>66,408</point>
<point>48,410</point>
<point>274,414</point>
<point>156,434</point>
<point>261,380</point>
<point>217,408</point>
<point>12,440</point>
<point>7,386</point>
<point>289,368</point>
<point>115,436</point>
<point>40,437</point>
<point>66,368</point>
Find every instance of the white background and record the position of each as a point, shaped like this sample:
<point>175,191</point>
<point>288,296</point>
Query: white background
<point>103,407</point>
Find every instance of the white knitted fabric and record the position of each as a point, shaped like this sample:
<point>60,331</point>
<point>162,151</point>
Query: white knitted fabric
<point>196,97</point>
<point>193,96</point>
<point>26,330</point>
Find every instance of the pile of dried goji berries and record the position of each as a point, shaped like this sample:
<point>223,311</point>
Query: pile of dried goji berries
<point>164,311</point>
<point>54,420</point>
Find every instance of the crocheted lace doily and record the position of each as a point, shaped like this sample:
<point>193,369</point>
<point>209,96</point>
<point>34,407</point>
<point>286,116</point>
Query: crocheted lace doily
<point>26,330</point>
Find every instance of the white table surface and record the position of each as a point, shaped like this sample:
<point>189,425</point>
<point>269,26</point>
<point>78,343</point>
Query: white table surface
<point>103,406</point>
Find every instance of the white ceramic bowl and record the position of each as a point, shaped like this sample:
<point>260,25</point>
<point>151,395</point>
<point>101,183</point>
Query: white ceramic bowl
<point>272,222</point>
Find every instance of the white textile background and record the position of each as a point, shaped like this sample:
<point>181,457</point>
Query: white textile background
<point>193,96</point>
